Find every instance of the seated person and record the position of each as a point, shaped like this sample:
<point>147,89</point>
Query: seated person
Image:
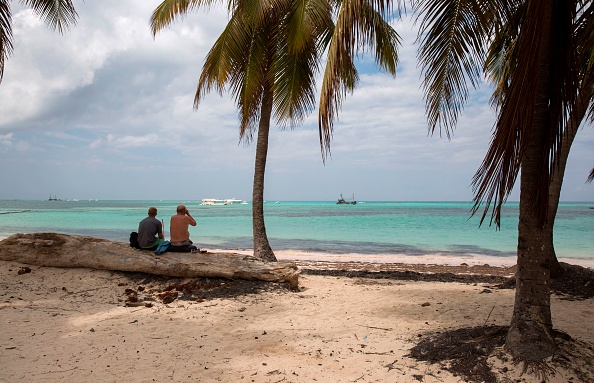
<point>178,229</point>
<point>150,231</point>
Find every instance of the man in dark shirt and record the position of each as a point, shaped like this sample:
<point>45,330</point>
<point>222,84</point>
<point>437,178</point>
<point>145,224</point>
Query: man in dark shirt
<point>150,231</point>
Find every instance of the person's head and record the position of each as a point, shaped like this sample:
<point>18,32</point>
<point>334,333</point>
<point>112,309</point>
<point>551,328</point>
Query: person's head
<point>181,209</point>
<point>152,212</point>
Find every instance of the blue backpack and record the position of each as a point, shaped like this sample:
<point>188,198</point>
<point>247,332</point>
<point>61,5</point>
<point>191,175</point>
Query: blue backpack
<point>163,246</point>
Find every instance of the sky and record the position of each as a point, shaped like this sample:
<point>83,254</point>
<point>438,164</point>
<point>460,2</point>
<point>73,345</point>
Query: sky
<point>105,111</point>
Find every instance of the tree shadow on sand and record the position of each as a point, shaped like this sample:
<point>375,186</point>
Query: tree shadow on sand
<point>465,352</point>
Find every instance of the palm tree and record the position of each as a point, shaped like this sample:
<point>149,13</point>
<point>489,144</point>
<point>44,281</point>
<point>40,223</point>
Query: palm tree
<point>57,14</point>
<point>499,66</point>
<point>541,91</point>
<point>269,54</point>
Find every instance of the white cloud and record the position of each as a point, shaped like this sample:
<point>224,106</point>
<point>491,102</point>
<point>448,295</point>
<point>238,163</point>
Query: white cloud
<point>105,99</point>
<point>115,141</point>
<point>6,139</point>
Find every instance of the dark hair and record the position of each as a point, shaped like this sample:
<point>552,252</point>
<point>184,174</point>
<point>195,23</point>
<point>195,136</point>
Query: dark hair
<point>152,211</point>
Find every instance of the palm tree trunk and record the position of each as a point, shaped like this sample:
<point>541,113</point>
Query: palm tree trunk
<point>577,115</point>
<point>262,249</point>
<point>530,336</point>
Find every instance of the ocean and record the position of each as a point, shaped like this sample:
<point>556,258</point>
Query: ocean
<point>367,229</point>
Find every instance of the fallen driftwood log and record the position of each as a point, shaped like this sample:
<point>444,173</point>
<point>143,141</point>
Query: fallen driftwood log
<point>61,250</point>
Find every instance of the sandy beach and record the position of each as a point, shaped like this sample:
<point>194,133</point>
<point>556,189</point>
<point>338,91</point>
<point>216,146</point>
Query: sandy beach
<point>84,325</point>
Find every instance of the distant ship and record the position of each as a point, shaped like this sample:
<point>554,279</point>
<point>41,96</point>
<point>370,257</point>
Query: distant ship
<point>229,201</point>
<point>54,198</point>
<point>342,201</point>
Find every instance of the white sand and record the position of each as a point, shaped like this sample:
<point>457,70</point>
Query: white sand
<point>70,325</point>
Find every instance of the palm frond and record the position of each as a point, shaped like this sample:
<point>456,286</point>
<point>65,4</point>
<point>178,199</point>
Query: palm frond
<point>358,26</point>
<point>495,178</point>
<point>57,14</point>
<point>585,43</point>
<point>452,37</point>
<point>302,34</point>
<point>223,59</point>
<point>253,76</point>
<point>591,176</point>
<point>5,34</point>
<point>502,53</point>
<point>169,11</point>
<point>235,60</point>
<point>294,86</point>
<point>306,21</point>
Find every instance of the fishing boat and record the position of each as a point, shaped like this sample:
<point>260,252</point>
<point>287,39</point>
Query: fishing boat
<point>342,201</point>
<point>54,198</point>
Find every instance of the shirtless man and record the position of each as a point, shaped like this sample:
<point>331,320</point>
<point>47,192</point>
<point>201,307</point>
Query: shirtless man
<point>178,227</point>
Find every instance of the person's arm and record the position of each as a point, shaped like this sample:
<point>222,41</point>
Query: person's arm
<point>192,221</point>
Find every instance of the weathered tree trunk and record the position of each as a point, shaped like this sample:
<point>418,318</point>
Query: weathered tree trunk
<point>61,250</point>
<point>262,249</point>
<point>577,115</point>
<point>530,336</point>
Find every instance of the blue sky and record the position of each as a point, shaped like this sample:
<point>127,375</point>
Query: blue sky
<point>105,111</point>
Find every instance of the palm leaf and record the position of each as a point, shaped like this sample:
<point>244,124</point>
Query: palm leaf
<point>5,34</point>
<point>358,25</point>
<point>496,176</point>
<point>57,14</point>
<point>452,36</point>
<point>502,54</point>
<point>302,33</point>
<point>169,11</point>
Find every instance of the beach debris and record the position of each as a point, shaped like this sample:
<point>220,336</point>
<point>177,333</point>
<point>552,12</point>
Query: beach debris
<point>425,304</point>
<point>390,366</point>
<point>168,296</point>
<point>138,304</point>
<point>486,291</point>
<point>24,270</point>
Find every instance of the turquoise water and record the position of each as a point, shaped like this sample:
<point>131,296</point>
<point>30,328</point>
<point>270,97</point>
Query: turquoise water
<point>373,228</point>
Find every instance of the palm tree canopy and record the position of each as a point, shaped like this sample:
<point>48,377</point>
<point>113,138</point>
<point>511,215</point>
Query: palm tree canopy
<point>57,14</point>
<point>454,36</point>
<point>277,44</point>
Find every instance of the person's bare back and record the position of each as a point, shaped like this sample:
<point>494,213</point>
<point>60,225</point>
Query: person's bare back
<point>178,227</point>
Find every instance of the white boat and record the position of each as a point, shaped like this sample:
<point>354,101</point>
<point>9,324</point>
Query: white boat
<point>228,201</point>
<point>231,201</point>
<point>212,201</point>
